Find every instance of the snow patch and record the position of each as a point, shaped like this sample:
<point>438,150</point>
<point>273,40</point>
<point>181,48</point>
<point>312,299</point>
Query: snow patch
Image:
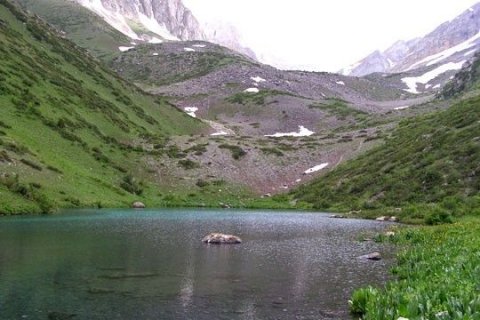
<point>220,133</point>
<point>340,83</point>
<point>124,49</point>
<point>302,132</point>
<point>437,86</point>
<point>317,168</point>
<point>430,60</point>
<point>411,82</point>
<point>155,54</point>
<point>471,10</point>
<point>188,50</point>
<point>199,45</point>
<point>252,90</point>
<point>155,40</point>
<point>258,79</point>
<point>402,108</point>
<point>191,111</point>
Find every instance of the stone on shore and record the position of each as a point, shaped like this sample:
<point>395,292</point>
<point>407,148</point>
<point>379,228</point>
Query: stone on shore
<point>138,205</point>
<point>372,256</point>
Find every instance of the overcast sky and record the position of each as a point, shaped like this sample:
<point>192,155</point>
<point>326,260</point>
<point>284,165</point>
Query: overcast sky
<point>326,35</point>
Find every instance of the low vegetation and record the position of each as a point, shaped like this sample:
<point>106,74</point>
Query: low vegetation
<point>72,132</point>
<point>429,161</point>
<point>437,276</point>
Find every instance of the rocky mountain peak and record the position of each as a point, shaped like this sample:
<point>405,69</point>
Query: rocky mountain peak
<point>153,20</point>
<point>453,41</point>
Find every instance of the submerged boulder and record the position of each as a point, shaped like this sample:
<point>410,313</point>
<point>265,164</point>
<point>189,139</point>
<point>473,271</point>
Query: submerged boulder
<point>138,205</point>
<point>220,238</point>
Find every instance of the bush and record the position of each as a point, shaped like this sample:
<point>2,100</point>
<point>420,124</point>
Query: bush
<point>188,164</point>
<point>237,152</point>
<point>131,185</point>
<point>201,183</point>
<point>438,216</point>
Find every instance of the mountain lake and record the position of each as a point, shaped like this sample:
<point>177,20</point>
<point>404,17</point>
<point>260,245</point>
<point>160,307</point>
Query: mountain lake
<point>152,264</point>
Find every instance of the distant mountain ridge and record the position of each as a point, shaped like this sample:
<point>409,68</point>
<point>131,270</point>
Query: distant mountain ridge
<point>156,21</point>
<point>452,42</point>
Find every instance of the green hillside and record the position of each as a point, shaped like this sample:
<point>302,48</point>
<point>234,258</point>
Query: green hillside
<point>428,159</point>
<point>80,25</point>
<point>71,132</point>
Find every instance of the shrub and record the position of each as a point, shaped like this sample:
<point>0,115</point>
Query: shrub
<point>131,185</point>
<point>201,183</point>
<point>237,152</point>
<point>188,164</point>
<point>438,216</point>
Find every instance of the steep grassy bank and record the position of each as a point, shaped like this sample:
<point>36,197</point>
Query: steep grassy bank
<point>437,276</point>
<point>72,133</point>
<point>428,159</point>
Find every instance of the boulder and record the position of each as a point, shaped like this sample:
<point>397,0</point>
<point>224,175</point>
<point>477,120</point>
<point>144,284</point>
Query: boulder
<point>389,234</point>
<point>337,216</point>
<point>220,238</point>
<point>372,256</point>
<point>138,205</point>
<point>382,218</point>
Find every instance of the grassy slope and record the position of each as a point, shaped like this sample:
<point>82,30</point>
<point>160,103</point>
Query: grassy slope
<point>70,130</point>
<point>171,63</point>
<point>430,158</point>
<point>80,25</point>
<point>437,276</point>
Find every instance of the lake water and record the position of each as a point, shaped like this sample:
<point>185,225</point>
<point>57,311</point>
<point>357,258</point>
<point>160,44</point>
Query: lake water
<point>151,264</point>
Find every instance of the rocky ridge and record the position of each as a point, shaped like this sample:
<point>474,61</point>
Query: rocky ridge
<point>452,42</point>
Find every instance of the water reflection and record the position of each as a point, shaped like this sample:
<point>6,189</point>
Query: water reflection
<point>152,265</point>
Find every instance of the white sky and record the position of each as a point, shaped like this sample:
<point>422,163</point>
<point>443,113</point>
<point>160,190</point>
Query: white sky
<point>326,35</point>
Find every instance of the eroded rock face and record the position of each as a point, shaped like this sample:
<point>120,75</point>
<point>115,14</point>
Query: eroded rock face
<point>168,19</point>
<point>220,238</point>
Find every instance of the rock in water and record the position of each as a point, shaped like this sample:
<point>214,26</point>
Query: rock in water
<point>138,205</point>
<point>220,238</point>
<point>372,256</point>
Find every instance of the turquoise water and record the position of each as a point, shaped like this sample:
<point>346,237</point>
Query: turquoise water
<point>127,264</point>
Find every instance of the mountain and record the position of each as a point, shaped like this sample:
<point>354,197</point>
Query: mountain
<point>447,46</point>
<point>152,20</point>
<point>72,133</point>
<point>428,159</point>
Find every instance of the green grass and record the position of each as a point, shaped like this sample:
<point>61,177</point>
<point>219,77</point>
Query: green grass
<point>140,66</point>
<point>237,151</point>
<point>70,127</point>
<point>428,159</point>
<point>80,25</point>
<point>248,98</point>
<point>437,276</point>
<point>340,109</point>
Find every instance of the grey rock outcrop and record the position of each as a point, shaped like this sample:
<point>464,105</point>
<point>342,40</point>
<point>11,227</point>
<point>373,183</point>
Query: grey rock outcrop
<point>153,15</point>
